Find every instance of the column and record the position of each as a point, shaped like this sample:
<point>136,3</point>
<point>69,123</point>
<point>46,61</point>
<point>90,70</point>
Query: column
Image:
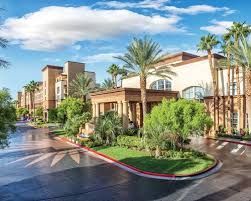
<point>125,114</point>
<point>93,110</point>
<point>97,109</point>
<point>120,109</point>
<point>131,111</point>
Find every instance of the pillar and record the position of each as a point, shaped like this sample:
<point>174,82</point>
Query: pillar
<point>120,109</point>
<point>93,110</point>
<point>125,114</point>
<point>97,110</point>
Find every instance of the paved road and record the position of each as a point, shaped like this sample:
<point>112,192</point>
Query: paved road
<point>37,167</point>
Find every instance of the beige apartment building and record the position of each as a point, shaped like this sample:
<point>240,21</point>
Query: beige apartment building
<point>54,86</point>
<point>192,81</point>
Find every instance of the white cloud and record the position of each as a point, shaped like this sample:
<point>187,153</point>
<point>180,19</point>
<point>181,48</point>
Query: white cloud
<point>77,47</point>
<point>154,4</point>
<point>98,58</point>
<point>160,5</point>
<point>196,9</point>
<point>54,27</point>
<point>217,27</point>
<point>51,59</point>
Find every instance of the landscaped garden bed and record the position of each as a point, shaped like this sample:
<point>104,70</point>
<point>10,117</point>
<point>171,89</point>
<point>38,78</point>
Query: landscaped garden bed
<point>180,165</point>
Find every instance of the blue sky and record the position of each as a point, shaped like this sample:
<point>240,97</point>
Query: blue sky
<point>54,31</point>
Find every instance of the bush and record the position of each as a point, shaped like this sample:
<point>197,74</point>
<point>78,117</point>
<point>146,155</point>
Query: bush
<point>69,108</point>
<point>183,154</point>
<point>130,142</point>
<point>130,131</point>
<point>174,121</point>
<point>73,124</point>
<point>52,115</point>
<point>89,142</point>
<point>108,127</point>
<point>39,112</point>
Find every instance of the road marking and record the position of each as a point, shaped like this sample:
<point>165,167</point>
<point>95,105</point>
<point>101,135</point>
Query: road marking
<point>222,145</point>
<point>25,158</point>
<point>59,156</point>
<point>45,156</point>
<point>239,146</point>
<point>243,151</point>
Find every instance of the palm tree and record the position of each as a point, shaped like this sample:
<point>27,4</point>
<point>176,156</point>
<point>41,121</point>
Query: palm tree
<point>141,60</point>
<point>107,84</point>
<point>3,44</point>
<point>242,56</point>
<point>208,43</point>
<point>236,31</point>
<point>227,64</point>
<point>34,86</point>
<point>28,90</point>
<point>123,74</point>
<point>81,86</point>
<point>113,70</point>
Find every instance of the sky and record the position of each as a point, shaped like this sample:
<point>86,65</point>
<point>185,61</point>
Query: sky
<point>42,32</point>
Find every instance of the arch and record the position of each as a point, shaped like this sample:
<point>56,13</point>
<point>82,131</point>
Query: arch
<point>161,84</point>
<point>193,92</point>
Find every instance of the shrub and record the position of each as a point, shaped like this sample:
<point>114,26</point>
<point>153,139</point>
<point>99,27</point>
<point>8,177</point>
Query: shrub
<point>174,121</point>
<point>21,112</point>
<point>108,127</point>
<point>39,112</point>
<point>69,108</point>
<point>130,131</point>
<point>52,115</point>
<point>72,125</point>
<point>130,142</point>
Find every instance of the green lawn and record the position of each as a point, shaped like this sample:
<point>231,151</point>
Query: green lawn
<point>58,132</point>
<point>144,161</point>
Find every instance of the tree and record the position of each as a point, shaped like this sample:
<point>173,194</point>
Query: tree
<point>242,56</point>
<point>108,126</point>
<point>69,108</point>
<point>31,88</point>
<point>107,84</point>
<point>114,70</point>
<point>141,59</point>
<point>3,44</point>
<point>7,116</point>
<point>73,124</point>
<point>227,63</point>
<point>39,112</point>
<point>208,43</point>
<point>174,121</point>
<point>81,86</point>
<point>123,74</point>
<point>236,31</point>
<point>21,112</point>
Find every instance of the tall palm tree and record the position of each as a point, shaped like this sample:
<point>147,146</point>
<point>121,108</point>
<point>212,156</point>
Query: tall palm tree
<point>81,86</point>
<point>28,90</point>
<point>236,31</point>
<point>123,74</point>
<point>34,86</point>
<point>208,43</point>
<point>107,84</point>
<point>141,60</point>
<point>227,64</point>
<point>242,56</point>
<point>3,44</point>
<point>113,70</point>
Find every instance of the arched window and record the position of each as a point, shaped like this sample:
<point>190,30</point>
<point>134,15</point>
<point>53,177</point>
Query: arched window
<point>194,92</point>
<point>165,85</point>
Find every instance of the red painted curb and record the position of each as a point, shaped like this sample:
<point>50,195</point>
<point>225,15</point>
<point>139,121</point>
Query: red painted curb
<point>234,142</point>
<point>138,170</point>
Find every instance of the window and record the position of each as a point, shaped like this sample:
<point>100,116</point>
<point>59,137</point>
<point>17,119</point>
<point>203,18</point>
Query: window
<point>58,90</point>
<point>233,88</point>
<point>165,85</point>
<point>193,93</point>
<point>234,119</point>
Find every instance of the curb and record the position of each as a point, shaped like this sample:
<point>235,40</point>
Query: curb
<point>231,141</point>
<point>164,176</point>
